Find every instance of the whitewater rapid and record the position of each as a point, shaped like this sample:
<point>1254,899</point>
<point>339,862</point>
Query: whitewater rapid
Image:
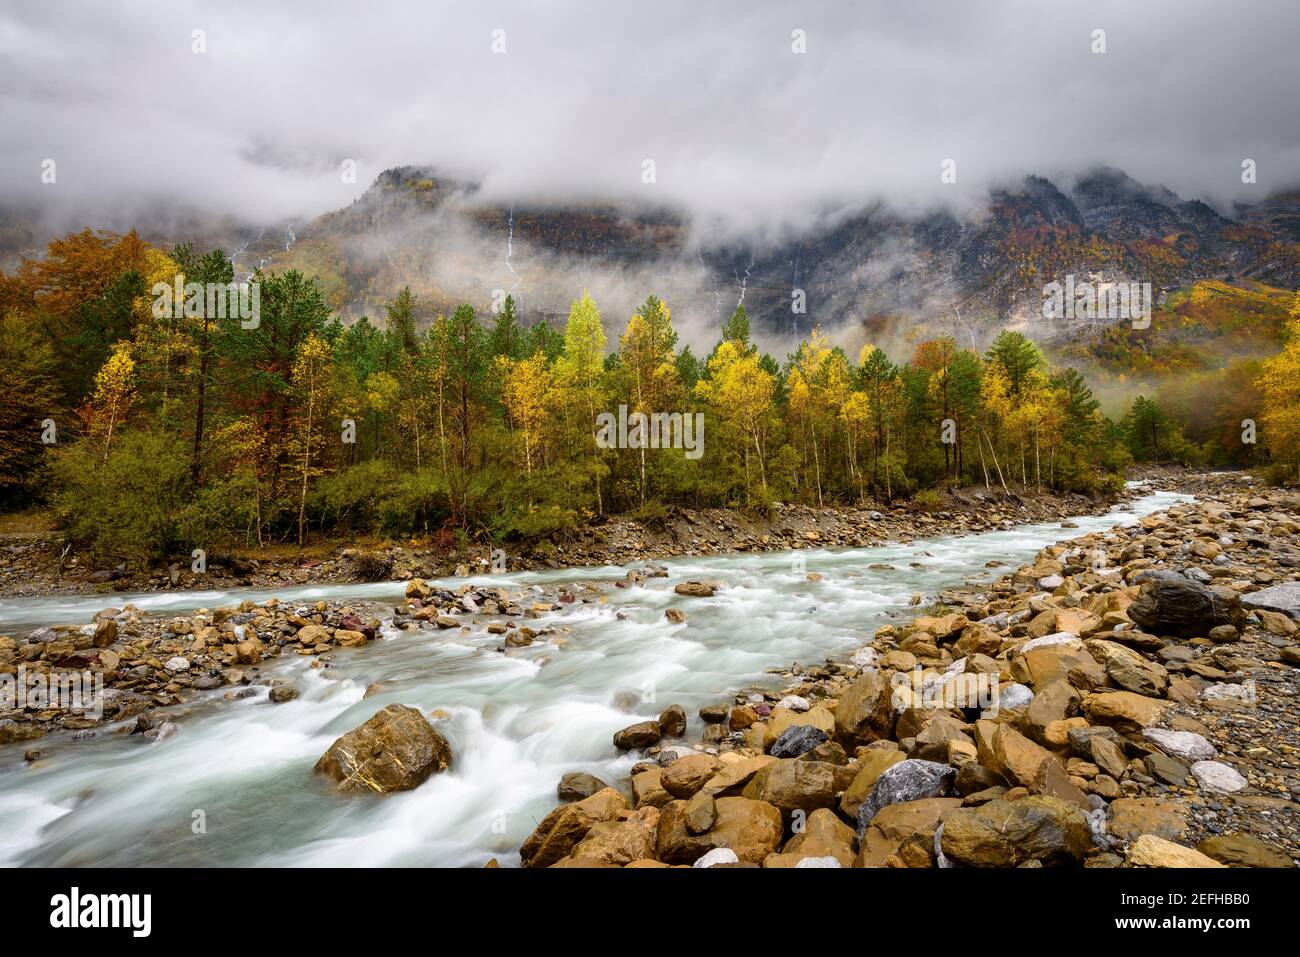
<point>517,721</point>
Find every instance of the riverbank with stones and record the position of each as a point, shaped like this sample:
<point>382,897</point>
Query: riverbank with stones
<point>37,566</point>
<point>1145,717</point>
<point>155,669</point>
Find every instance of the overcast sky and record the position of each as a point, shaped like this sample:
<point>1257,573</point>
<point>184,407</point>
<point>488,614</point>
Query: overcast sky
<point>742,129</point>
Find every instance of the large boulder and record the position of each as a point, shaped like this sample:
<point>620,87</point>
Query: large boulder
<point>753,829</point>
<point>1011,754</point>
<point>685,776</point>
<point>562,829</point>
<point>396,750</point>
<point>866,711</point>
<point>616,842</point>
<point>1184,608</point>
<point>901,822</point>
<point>908,780</point>
<point>793,785</point>
<point>1009,833</point>
<point>824,835</point>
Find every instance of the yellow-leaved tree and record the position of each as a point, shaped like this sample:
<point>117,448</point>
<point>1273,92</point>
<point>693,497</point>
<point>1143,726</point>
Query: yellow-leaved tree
<point>111,401</point>
<point>1280,383</point>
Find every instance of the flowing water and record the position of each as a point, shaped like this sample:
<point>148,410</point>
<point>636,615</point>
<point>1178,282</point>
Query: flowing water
<point>518,721</point>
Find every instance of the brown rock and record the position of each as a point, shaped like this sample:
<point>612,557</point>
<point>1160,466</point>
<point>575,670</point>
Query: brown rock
<point>395,750</point>
<point>687,775</point>
<point>752,829</point>
<point>1006,833</point>
<point>568,824</point>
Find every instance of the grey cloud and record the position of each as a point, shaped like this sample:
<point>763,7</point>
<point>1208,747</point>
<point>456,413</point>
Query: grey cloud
<point>753,139</point>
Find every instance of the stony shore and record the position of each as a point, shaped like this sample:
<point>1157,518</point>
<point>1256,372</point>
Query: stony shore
<point>35,565</point>
<point>153,666</point>
<point>1145,715</point>
<point>1145,682</point>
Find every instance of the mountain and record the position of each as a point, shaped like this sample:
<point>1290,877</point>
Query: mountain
<point>899,277</point>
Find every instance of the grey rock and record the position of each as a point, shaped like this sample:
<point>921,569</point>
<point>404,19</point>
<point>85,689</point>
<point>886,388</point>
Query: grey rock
<point>908,780</point>
<point>797,740</point>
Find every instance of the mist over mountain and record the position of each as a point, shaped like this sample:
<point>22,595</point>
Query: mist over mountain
<point>876,272</point>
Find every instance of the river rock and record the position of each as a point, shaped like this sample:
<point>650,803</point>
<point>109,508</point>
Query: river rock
<point>793,785</point>
<point>639,735</point>
<point>908,780</point>
<point>686,776</point>
<point>1123,710</point>
<point>672,722</point>
<point>1182,607</point>
<point>824,835</point>
<point>797,740</point>
<point>577,785</point>
<point>871,765</point>
<point>719,855</point>
<point>616,842</point>
<point>865,712</point>
<point>1182,744</point>
<point>568,824</point>
<point>700,813</point>
<point>1284,598</point>
<point>752,829</point>
<point>1243,850</point>
<point>1009,833</point>
<point>1130,818</point>
<point>1218,777</point>
<point>1128,669</point>
<point>1151,851</point>
<point>897,823</point>
<point>696,589</point>
<point>648,788</point>
<point>395,750</point>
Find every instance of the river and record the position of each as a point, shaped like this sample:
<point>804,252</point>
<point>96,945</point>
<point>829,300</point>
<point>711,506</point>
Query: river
<point>243,769</point>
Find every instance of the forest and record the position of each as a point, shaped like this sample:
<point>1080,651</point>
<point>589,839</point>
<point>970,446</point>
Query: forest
<point>148,434</point>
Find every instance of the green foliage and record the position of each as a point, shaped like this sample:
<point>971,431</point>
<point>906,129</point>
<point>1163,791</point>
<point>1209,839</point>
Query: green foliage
<point>129,507</point>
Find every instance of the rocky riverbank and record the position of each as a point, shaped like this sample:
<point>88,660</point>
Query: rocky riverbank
<point>150,670</point>
<point>33,565</point>
<point>1128,699</point>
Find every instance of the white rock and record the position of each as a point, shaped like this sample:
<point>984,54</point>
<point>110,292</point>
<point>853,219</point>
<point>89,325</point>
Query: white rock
<point>1229,692</point>
<point>177,664</point>
<point>1059,638</point>
<point>1011,698</point>
<point>1216,776</point>
<point>1181,744</point>
<point>1050,582</point>
<point>865,658</point>
<point>794,703</point>
<point>817,862</point>
<point>719,855</point>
